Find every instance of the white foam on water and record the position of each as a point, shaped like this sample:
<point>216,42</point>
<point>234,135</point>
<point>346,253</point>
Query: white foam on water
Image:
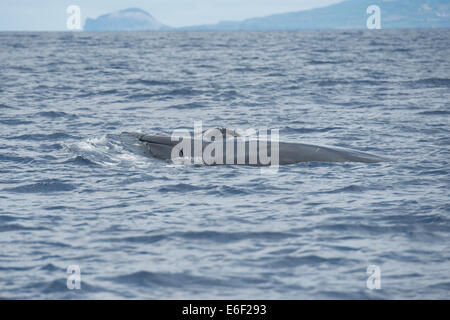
<point>108,151</point>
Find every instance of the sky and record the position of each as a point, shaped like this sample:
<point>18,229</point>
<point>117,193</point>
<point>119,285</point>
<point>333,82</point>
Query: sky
<point>50,15</point>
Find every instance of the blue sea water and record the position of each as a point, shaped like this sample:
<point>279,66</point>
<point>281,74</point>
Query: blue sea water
<point>72,192</point>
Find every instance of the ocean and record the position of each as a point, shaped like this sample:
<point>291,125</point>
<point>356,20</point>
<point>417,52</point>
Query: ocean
<point>75,196</point>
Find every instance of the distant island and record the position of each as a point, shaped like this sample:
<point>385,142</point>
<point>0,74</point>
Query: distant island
<point>350,14</point>
<point>132,19</point>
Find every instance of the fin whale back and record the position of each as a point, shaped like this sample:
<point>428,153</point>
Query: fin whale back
<point>299,152</point>
<point>162,147</point>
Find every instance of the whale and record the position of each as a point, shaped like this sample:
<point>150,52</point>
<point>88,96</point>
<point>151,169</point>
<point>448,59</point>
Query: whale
<point>237,150</point>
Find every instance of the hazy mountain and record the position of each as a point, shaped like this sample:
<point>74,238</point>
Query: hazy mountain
<point>349,14</point>
<point>132,19</point>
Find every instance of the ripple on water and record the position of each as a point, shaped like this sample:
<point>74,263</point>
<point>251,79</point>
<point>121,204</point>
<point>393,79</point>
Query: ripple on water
<point>46,186</point>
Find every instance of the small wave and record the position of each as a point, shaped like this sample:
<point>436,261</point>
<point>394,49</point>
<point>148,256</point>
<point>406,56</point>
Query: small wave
<point>171,93</point>
<point>181,188</point>
<point>6,218</point>
<point>15,159</point>
<point>23,68</point>
<point>351,189</point>
<point>276,74</point>
<point>4,106</point>
<point>151,82</point>
<point>401,50</point>
<point>81,161</point>
<point>57,208</point>
<point>56,244</point>
<point>364,229</point>
<point>319,62</point>
<point>230,94</point>
<point>330,83</point>
<point>430,82</point>
<point>310,130</point>
<point>310,260</point>
<point>435,113</point>
<point>106,92</point>
<point>41,137</point>
<point>50,267</point>
<point>134,108</point>
<point>55,114</point>
<point>15,269</point>
<point>234,236</point>
<point>50,147</point>
<point>444,286</point>
<point>378,43</point>
<point>141,96</point>
<point>42,187</point>
<point>192,105</point>
<point>119,65</point>
<point>183,92</point>
<point>437,172</point>
<point>232,191</point>
<point>206,66</point>
<point>137,239</point>
<point>14,122</point>
<point>162,279</point>
<point>18,227</point>
<point>243,69</point>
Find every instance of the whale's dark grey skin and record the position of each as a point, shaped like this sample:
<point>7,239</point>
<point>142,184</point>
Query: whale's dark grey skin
<point>165,147</point>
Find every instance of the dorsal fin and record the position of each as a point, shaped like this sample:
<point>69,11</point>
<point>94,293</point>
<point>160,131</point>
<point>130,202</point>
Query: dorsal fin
<point>226,132</point>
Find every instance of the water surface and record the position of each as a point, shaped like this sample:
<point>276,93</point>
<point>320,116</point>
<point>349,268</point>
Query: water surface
<point>73,193</point>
